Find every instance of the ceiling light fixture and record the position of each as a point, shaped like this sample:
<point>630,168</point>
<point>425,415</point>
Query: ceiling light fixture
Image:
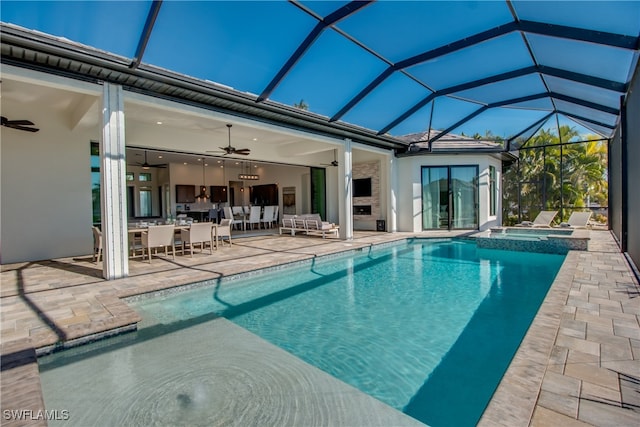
<point>203,196</point>
<point>248,176</point>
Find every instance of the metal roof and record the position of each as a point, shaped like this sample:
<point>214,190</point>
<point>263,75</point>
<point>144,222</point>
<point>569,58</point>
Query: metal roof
<point>372,71</point>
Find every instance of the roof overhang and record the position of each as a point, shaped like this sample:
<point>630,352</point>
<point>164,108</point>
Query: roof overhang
<point>42,52</point>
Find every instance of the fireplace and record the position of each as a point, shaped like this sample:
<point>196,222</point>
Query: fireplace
<point>362,209</point>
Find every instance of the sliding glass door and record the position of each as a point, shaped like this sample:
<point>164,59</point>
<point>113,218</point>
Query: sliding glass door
<point>449,197</point>
<point>435,198</point>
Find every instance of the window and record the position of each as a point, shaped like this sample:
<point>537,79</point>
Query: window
<point>144,176</point>
<point>319,191</point>
<point>493,194</point>
<point>130,176</point>
<point>145,202</point>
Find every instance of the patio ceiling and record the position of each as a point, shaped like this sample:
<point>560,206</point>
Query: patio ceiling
<point>374,70</point>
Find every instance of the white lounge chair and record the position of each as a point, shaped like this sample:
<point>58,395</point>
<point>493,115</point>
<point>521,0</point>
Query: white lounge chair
<point>577,220</point>
<point>321,228</point>
<point>543,219</point>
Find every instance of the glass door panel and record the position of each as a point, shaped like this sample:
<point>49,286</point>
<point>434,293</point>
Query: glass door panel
<point>435,198</point>
<point>318,192</point>
<point>464,197</point>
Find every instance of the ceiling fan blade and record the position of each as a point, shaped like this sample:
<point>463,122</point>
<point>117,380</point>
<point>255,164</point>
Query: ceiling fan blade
<point>19,123</point>
<point>244,153</point>
<point>23,128</point>
<point>243,150</point>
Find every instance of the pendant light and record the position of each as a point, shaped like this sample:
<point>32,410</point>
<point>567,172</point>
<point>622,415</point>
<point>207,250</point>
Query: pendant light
<point>204,196</point>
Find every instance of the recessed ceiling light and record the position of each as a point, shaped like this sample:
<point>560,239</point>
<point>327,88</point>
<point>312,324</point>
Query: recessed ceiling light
<point>255,139</point>
<point>160,156</point>
<point>159,123</point>
<point>185,163</point>
<point>199,159</point>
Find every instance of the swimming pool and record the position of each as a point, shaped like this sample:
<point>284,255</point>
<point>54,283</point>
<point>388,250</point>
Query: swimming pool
<point>428,327</point>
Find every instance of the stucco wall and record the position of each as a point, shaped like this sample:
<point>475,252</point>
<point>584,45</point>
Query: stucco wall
<point>46,189</point>
<point>410,194</point>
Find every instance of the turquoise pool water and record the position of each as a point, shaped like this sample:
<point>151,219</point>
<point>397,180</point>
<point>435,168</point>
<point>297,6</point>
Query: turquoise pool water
<point>427,327</point>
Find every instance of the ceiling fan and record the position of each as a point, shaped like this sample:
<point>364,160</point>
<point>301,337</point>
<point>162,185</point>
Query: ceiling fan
<point>232,150</point>
<point>18,124</point>
<point>146,165</point>
<point>334,163</point>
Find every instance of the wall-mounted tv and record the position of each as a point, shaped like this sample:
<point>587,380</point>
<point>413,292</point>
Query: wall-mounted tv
<point>362,187</point>
<point>185,193</point>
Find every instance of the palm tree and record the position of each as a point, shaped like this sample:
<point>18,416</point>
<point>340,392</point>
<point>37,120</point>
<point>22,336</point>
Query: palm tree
<point>556,176</point>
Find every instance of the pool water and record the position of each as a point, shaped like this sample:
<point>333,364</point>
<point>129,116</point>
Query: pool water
<point>428,327</point>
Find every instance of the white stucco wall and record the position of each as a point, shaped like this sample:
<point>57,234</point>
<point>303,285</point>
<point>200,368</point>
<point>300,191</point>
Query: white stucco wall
<point>409,195</point>
<point>45,189</point>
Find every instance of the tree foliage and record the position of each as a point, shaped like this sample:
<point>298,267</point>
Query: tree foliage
<point>555,176</point>
<point>301,105</point>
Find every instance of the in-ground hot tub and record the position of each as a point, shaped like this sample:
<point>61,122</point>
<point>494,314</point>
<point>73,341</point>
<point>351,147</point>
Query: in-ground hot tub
<point>544,240</point>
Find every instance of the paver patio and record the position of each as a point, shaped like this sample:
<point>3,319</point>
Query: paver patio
<point>578,365</point>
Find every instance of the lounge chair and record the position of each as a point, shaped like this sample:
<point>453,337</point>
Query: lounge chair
<point>577,220</point>
<point>316,226</point>
<point>288,224</point>
<point>543,219</point>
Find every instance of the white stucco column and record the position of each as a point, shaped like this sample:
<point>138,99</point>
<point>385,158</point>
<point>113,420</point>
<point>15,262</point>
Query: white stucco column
<point>113,184</point>
<point>345,176</point>
<point>392,192</point>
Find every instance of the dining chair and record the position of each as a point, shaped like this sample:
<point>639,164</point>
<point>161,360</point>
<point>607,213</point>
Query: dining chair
<point>97,244</point>
<point>199,232</point>
<point>213,215</point>
<point>267,216</point>
<point>228,213</point>
<point>159,236</point>
<point>254,217</point>
<point>223,230</point>
<point>237,211</point>
<point>275,214</point>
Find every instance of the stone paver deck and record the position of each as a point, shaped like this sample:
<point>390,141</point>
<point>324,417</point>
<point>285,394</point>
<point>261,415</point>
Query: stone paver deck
<point>578,365</point>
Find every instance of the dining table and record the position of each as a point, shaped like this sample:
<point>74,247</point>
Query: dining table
<point>135,234</point>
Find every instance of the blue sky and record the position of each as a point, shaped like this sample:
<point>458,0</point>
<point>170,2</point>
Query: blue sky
<point>243,44</point>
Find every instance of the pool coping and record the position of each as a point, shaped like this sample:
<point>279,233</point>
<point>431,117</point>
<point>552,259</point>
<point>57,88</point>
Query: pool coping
<point>515,398</point>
